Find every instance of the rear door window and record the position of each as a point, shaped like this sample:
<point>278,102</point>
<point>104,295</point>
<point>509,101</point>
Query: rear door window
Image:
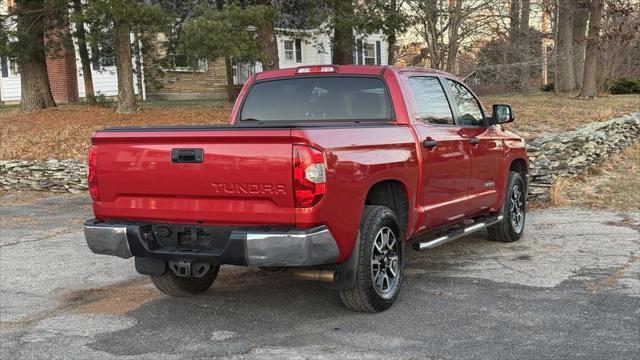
<point>320,98</point>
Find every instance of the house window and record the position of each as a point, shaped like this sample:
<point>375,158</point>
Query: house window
<point>186,63</point>
<point>14,69</point>
<point>9,67</point>
<point>103,54</point>
<point>293,50</point>
<point>369,53</point>
<point>289,51</point>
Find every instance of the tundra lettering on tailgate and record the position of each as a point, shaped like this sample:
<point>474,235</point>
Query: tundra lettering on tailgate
<point>248,188</point>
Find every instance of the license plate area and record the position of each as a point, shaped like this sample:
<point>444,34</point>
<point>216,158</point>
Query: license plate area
<point>189,237</point>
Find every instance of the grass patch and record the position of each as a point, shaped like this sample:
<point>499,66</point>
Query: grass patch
<point>541,112</point>
<point>614,185</point>
<point>64,132</point>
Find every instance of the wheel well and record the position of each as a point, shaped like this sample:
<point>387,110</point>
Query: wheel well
<point>520,166</point>
<point>390,193</point>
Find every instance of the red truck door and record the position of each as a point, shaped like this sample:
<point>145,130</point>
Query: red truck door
<point>486,148</point>
<point>446,155</point>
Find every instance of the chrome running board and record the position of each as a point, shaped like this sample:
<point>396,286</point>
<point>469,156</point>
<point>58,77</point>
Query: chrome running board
<point>433,241</point>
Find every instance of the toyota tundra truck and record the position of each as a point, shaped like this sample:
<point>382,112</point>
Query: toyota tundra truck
<point>329,172</point>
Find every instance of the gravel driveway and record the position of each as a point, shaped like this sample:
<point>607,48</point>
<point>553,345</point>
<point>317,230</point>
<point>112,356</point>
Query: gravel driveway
<point>570,288</point>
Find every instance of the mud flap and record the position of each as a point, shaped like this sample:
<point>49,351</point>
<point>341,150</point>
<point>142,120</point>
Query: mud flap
<point>346,272</point>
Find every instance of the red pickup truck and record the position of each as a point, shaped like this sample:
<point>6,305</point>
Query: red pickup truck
<point>329,171</point>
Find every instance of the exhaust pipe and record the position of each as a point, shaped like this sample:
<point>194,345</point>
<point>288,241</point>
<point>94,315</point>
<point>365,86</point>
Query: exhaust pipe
<point>327,276</point>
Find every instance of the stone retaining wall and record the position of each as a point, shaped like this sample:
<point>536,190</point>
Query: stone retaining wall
<point>574,152</point>
<point>51,175</point>
<point>565,154</point>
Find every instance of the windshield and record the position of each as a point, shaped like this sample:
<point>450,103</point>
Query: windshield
<point>323,98</point>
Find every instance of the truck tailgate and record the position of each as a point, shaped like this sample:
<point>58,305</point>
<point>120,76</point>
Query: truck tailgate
<point>244,178</point>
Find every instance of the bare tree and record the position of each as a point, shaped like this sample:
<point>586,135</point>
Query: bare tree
<point>435,20</point>
<point>619,42</point>
<point>514,20</point>
<point>455,11</point>
<point>564,54</point>
<point>581,15</point>
<point>589,89</point>
<point>525,14</point>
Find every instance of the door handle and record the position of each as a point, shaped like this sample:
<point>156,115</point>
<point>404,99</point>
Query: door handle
<point>430,143</point>
<point>187,155</point>
<point>474,141</point>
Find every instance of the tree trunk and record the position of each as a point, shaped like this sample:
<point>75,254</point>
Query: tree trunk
<point>579,35</point>
<point>454,22</point>
<point>85,60</point>
<point>122,47</point>
<point>228,65</point>
<point>514,77</point>
<point>268,42</point>
<point>35,87</point>
<point>391,50</point>
<point>564,53</point>
<point>343,41</point>
<point>525,13</point>
<point>514,20</point>
<point>391,35</point>
<point>589,89</point>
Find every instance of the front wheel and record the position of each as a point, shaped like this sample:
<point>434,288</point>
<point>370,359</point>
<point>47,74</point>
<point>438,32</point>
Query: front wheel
<point>511,227</point>
<point>380,262</point>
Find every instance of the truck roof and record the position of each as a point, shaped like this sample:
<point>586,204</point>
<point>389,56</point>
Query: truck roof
<point>343,70</point>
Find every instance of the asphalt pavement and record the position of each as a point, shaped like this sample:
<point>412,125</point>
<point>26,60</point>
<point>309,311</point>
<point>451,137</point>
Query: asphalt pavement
<point>570,288</point>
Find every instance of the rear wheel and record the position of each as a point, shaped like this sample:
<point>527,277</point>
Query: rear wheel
<point>380,262</point>
<point>511,227</point>
<point>173,285</point>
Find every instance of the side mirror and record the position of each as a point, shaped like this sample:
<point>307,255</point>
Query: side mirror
<point>503,114</point>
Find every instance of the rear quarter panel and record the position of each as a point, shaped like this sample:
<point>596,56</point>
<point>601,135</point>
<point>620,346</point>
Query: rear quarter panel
<point>358,157</point>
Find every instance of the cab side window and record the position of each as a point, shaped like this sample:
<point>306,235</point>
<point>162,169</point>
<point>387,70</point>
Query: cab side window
<point>433,107</point>
<point>468,107</point>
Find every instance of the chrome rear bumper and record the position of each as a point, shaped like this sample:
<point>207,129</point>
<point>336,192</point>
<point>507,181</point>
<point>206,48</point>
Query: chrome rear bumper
<point>240,246</point>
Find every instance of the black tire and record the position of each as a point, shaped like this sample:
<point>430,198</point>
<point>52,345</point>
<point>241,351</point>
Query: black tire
<point>173,285</point>
<point>366,296</point>
<point>507,230</point>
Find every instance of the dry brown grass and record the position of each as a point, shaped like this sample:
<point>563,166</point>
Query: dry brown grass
<point>541,112</point>
<point>615,184</point>
<point>556,193</point>
<point>64,132</point>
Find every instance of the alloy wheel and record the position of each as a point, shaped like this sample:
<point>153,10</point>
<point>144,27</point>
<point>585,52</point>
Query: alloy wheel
<point>385,262</point>
<point>516,208</point>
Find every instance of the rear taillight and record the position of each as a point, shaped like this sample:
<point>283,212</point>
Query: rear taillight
<point>92,179</point>
<point>309,177</point>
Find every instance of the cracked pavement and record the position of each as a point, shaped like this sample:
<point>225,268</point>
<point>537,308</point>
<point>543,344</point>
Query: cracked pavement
<point>570,288</point>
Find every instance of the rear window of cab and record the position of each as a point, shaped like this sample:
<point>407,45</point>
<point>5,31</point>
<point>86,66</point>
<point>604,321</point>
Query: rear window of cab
<point>318,98</point>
